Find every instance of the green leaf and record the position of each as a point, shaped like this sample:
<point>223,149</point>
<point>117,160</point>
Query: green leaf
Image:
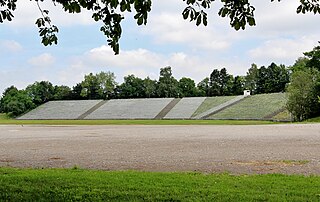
<point>299,9</point>
<point>140,21</point>
<point>205,19</point>
<point>198,20</point>
<point>251,21</point>
<point>185,13</point>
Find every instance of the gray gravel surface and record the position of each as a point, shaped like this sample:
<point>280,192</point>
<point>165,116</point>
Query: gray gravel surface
<point>237,149</point>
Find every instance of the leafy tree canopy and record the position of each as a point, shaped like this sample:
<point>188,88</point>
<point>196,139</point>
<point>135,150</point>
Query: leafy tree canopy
<point>40,92</point>
<point>15,102</point>
<point>313,58</point>
<point>111,14</point>
<point>303,93</point>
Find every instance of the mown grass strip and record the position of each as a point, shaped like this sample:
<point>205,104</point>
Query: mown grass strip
<point>88,185</point>
<point>134,122</point>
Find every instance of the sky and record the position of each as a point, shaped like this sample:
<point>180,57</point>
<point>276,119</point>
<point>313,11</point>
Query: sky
<point>281,36</point>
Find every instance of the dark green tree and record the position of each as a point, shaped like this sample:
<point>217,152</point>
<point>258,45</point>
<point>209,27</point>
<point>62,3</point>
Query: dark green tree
<point>238,85</point>
<point>299,65</point>
<point>76,92</point>
<point>261,80</point>
<point>15,102</point>
<point>98,86</point>
<point>277,78</point>
<point>313,58</point>
<point>226,81</point>
<point>272,79</point>
<point>111,13</point>
<point>107,83</point>
<point>40,92</point>
<point>204,87</point>
<point>251,78</point>
<point>90,87</point>
<point>150,87</point>
<point>187,87</point>
<point>167,84</point>
<point>132,87</point>
<point>220,82</point>
<point>303,94</point>
<point>62,93</point>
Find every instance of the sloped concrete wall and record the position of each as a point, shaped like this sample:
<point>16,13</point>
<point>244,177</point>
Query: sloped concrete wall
<point>130,109</point>
<point>185,108</point>
<point>61,109</point>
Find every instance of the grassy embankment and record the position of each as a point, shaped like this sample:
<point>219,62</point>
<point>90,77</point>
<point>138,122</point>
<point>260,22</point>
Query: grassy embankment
<point>88,185</point>
<point>254,107</point>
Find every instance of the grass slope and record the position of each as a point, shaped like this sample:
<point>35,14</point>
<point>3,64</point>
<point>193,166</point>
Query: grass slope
<point>212,102</point>
<point>87,185</point>
<point>254,107</point>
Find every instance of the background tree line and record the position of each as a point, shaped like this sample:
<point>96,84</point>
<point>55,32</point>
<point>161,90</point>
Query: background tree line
<point>103,85</point>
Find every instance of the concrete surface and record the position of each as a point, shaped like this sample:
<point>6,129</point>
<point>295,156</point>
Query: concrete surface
<point>237,149</point>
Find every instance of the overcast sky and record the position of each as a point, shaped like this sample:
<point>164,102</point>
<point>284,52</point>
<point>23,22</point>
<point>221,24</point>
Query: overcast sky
<point>280,36</point>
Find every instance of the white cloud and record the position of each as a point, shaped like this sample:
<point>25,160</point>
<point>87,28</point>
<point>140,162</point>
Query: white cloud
<point>143,63</point>
<point>10,46</point>
<point>171,28</point>
<point>282,50</point>
<point>27,12</point>
<point>44,60</point>
<point>126,59</point>
<point>280,18</point>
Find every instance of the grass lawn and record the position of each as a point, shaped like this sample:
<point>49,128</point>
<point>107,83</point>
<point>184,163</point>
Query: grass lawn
<point>5,120</point>
<point>133,122</point>
<point>88,185</point>
<point>314,120</point>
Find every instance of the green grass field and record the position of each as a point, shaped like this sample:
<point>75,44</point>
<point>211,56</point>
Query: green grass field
<point>132,122</point>
<point>253,107</point>
<point>88,185</point>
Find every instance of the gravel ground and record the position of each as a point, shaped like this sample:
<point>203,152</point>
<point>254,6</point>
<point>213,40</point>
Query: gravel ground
<point>236,149</point>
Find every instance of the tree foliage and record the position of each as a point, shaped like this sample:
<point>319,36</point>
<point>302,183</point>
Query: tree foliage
<point>98,86</point>
<point>303,93</point>
<point>40,92</point>
<point>304,88</point>
<point>204,87</point>
<point>150,87</point>
<point>62,92</point>
<point>15,102</point>
<point>313,58</point>
<point>111,14</point>
<point>132,87</point>
<point>187,87</point>
<point>167,84</point>
<point>238,85</point>
<point>271,79</point>
<point>251,78</point>
<point>220,82</point>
